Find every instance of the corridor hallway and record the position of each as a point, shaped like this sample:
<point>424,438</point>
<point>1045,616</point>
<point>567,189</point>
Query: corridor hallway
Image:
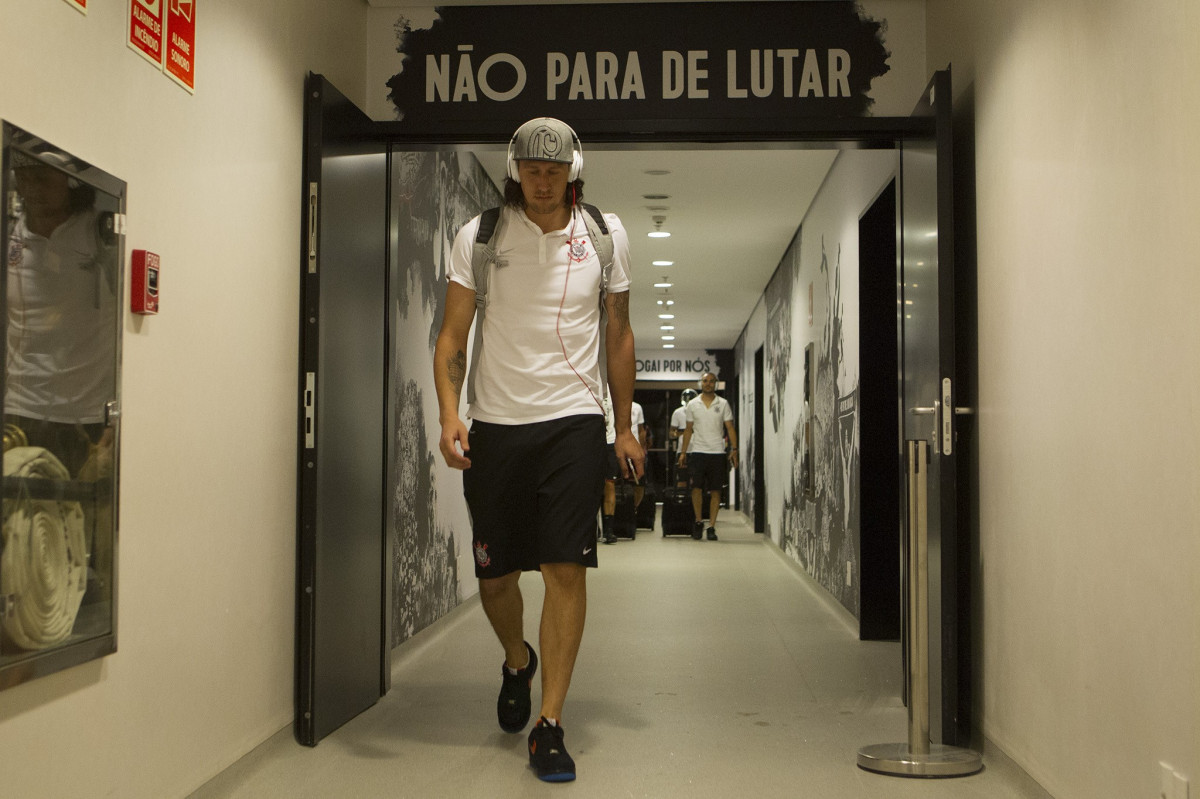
<point>708,669</point>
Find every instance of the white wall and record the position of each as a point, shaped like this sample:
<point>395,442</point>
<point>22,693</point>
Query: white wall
<point>1088,118</point>
<point>206,552</point>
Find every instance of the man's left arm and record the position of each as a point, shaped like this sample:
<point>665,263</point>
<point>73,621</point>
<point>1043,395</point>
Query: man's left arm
<point>618,345</point>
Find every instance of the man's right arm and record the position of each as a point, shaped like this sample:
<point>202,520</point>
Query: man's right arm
<point>450,372</point>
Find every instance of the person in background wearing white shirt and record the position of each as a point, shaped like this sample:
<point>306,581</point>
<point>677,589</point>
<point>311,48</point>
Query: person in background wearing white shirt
<point>709,423</point>
<point>678,425</point>
<point>613,469</point>
<point>637,419</point>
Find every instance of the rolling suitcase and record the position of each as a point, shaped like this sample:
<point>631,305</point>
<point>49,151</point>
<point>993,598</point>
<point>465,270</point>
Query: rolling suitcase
<point>647,511</point>
<point>678,518</point>
<point>624,518</point>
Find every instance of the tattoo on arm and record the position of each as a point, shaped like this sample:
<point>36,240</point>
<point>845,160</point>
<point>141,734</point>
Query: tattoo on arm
<point>620,311</point>
<point>457,368</point>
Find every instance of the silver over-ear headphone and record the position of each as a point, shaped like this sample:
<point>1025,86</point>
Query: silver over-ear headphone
<point>542,139</point>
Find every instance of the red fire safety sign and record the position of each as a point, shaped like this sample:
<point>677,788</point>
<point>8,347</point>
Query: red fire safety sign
<point>180,61</point>
<point>146,29</point>
<point>80,5</point>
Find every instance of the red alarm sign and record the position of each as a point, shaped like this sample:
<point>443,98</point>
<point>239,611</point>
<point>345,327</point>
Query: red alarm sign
<point>179,59</point>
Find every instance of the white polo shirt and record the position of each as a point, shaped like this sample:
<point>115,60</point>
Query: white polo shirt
<point>708,425</point>
<point>541,333</point>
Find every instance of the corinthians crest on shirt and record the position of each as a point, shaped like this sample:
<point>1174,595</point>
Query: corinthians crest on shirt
<point>481,555</point>
<point>577,250</point>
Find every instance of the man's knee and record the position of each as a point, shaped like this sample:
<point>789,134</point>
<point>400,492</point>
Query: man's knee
<point>564,576</point>
<point>493,587</point>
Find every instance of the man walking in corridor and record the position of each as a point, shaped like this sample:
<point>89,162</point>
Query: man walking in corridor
<point>709,424</point>
<point>535,452</point>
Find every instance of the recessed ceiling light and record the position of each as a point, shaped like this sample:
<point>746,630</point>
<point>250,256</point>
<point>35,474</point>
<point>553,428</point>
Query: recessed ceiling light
<point>668,346</point>
<point>666,316</point>
<point>663,285</point>
<point>662,263</point>
<point>666,327</point>
<point>659,234</point>
<point>668,338</point>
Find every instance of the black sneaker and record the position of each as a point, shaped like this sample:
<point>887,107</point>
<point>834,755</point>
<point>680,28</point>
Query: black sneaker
<point>712,534</point>
<point>609,538</point>
<point>547,754</point>
<point>698,530</point>
<point>513,707</point>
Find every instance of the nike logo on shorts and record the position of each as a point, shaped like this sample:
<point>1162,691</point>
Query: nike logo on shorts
<point>586,551</point>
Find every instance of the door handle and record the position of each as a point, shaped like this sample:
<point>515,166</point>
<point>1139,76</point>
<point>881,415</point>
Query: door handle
<point>923,411</point>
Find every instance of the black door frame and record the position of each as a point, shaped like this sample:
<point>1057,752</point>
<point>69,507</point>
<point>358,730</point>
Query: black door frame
<point>331,121</point>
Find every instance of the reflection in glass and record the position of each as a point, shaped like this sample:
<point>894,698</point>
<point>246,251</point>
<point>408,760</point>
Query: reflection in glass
<point>61,288</point>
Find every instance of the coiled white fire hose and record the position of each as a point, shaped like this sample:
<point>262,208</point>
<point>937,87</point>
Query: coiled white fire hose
<point>43,570</point>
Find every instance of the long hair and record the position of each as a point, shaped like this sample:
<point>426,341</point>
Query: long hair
<point>515,199</point>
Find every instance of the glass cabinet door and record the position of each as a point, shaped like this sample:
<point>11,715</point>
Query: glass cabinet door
<point>61,385</point>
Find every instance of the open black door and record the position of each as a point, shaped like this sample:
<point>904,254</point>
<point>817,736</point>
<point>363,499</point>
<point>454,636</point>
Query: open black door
<point>341,655</point>
<point>760,437</point>
<point>930,379</point>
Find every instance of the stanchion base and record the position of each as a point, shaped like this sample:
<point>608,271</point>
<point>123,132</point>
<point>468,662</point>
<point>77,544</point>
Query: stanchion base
<point>899,761</point>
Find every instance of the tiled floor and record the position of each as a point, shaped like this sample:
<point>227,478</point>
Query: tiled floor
<point>708,669</point>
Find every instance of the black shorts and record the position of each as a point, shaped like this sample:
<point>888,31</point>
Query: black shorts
<point>534,493</point>
<point>708,471</point>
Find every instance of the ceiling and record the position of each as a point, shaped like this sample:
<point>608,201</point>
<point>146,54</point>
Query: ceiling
<point>731,213</point>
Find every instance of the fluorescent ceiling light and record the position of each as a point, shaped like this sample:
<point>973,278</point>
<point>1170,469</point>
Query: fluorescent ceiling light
<point>659,234</point>
<point>668,346</point>
<point>662,263</point>
<point>663,285</point>
<point>666,316</point>
<point>668,338</point>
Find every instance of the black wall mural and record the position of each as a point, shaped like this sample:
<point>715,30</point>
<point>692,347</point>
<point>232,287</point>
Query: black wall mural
<point>820,516</point>
<point>424,563</point>
<point>780,296</point>
<point>433,194</point>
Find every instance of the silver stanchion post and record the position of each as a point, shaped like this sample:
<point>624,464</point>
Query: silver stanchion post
<point>918,757</point>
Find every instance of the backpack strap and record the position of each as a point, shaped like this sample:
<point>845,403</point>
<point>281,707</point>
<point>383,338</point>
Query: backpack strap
<point>602,240</point>
<point>483,256</point>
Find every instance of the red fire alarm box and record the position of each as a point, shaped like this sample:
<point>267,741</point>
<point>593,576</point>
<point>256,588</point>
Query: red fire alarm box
<point>143,291</point>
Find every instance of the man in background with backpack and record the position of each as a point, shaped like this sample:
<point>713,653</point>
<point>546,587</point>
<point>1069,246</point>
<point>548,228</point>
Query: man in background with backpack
<point>552,292</point>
